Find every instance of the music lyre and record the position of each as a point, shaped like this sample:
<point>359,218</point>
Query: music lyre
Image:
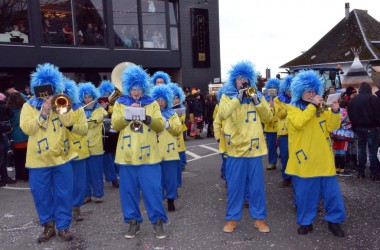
<point>39,146</point>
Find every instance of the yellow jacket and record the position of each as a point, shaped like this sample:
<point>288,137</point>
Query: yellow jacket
<point>94,135</point>
<point>218,133</point>
<point>46,147</point>
<point>310,147</point>
<point>137,148</point>
<point>168,139</point>
<point>271,126</point>
<point>180,140</point>
<point>77,136</point>
<point>281,115</point>
<point>242,130</point>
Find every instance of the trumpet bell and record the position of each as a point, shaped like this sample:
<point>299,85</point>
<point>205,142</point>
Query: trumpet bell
<point>61,104</point>
<point>136,126</point>
<point>114,95</point>
<point>250,92</point>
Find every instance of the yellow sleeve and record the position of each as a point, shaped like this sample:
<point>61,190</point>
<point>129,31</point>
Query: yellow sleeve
<point>81,127</point>
<point>280,108</point>
<point>333,120</point>
<point>265,112</point>
<point>117,119</point>
<point>110,109</point>
<point>217,127</point>
<point>97,116</point>
<point>67,119</point>
<point>215,111</point>
<point>175,127</point>
<point>299,118</point>
<point>29,118</point>
<point>156,122</point>
<point>227,106</point>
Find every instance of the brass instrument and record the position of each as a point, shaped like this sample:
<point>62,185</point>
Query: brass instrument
<point>250,92</point>
<point>116,80</point>
<point>322,107</point>
<point>61,104</point>
<point>136,126</point>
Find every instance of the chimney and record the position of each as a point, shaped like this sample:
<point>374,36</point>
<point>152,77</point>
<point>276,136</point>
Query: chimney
<point>347,8</point>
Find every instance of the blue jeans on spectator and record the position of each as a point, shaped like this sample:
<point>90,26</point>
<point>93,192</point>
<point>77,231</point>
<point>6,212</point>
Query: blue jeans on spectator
<point>368,136</point>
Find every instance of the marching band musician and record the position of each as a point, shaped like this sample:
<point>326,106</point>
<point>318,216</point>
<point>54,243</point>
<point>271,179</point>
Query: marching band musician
<point>179,98</point>
<point>270,128</point>
<point>160,77</point>
<point>110,136</point>
<point>95,113</point>
<point>218,134</point>
<point>78,146</point>
<point>245,145</point>
<point>311,158</point>
<point>137,154</point>
<point>167,142</point>
<point>51,175</point>
<point>280,103</point>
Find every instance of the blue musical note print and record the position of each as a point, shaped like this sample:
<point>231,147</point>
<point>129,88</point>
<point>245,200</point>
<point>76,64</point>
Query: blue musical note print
<point>141,151</point>
<point>229,138</point>
<point>321,125</point>
<point>170,144</point>
<point>39,145</point>
<point>78,142</point>
<point>254,117</point>
<point>257,145</point>
<point>66,145</point>
<point>54,120</point>
<point>304,155</point>
<point>122,142</point>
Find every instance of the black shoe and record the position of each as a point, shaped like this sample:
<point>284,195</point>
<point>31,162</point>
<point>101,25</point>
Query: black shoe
<point>115,184</point>
<point>305,229</point>
<point>171,206</point>
<point>65,235</point>
<point>336,229</point>
<point>134,228</point>
<point>8,181</point>
<point>159,231</point>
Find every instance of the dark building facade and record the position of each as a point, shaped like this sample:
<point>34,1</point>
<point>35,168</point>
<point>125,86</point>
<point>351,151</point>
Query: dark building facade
<point>86,39</point>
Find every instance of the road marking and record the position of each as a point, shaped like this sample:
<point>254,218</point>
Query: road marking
<point>209,148</point>
<point>193,155</point>
<point>16,188</point>
<point>194,146</point>
<point>201,157</point>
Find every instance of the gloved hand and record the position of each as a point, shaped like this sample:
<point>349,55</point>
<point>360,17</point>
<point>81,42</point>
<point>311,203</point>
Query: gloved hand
<point>241,94</point>
<point>167,124</point>
<point>255,99</point>
<point>148,120</point>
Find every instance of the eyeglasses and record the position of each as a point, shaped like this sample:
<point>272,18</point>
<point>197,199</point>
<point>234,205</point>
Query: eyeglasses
<point>136,89</point>
<point>243,79</point>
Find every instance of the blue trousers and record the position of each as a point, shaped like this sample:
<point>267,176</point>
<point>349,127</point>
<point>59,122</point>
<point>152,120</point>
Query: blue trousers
<point>271,138</point>
<point>239,172</point>
<point>308,192</point>
<point>94,176</point>
<point>181,162</point>
<point>109,167</point>
<point>52,190</point>
<point>284,152</point>
<point>79,176</point>
<point>169,178</point>
<point>146,178</point>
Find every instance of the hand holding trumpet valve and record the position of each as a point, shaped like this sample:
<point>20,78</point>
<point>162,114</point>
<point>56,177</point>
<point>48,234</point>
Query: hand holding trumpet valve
<point>46,106</point>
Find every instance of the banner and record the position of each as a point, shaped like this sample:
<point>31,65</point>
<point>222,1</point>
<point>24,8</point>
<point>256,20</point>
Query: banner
<point>200,38</point>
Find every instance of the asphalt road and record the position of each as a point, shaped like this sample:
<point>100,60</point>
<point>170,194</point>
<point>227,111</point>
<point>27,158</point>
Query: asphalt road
<point>200,216</point>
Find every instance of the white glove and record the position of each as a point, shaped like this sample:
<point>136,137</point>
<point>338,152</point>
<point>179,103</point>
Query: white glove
<point>167,124</point>
<point>255,99</point>
<point>241,94</point>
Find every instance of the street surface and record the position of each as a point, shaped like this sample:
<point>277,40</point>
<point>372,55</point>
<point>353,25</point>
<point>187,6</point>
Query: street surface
<point>199,218</point>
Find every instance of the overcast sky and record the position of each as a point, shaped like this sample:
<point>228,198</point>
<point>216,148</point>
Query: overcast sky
<point>272,32</point>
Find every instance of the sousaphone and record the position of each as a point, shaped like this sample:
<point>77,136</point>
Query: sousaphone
<point>116,80</point>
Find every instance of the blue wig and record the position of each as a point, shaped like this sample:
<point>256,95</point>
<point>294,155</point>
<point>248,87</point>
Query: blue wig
<point>285,84</point>
<point>88,88</point>
<point>272,83</point>
<point>135,76</point>
<point>243,69</point>
<point>71,90</point>
<point>164,92</point>
<point>220,93</point>
<point>160,74</point>
<point>305,81</point>
<point>47,74</point>
<point>106,88</point>
<point>177,91</point>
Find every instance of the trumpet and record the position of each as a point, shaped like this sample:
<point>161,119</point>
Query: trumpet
<point>322,107</point>
<point>136,125</point>
<point>61,104</point>
<point>250,91</point>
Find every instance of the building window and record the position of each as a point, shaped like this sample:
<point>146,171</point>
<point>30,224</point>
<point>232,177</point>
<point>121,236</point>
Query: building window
<point>89,16</point>
<point>173,17</point>
<point>57,26</point>
<point>14,25</point>
<point>153,16</point>
<point>126,28</point>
